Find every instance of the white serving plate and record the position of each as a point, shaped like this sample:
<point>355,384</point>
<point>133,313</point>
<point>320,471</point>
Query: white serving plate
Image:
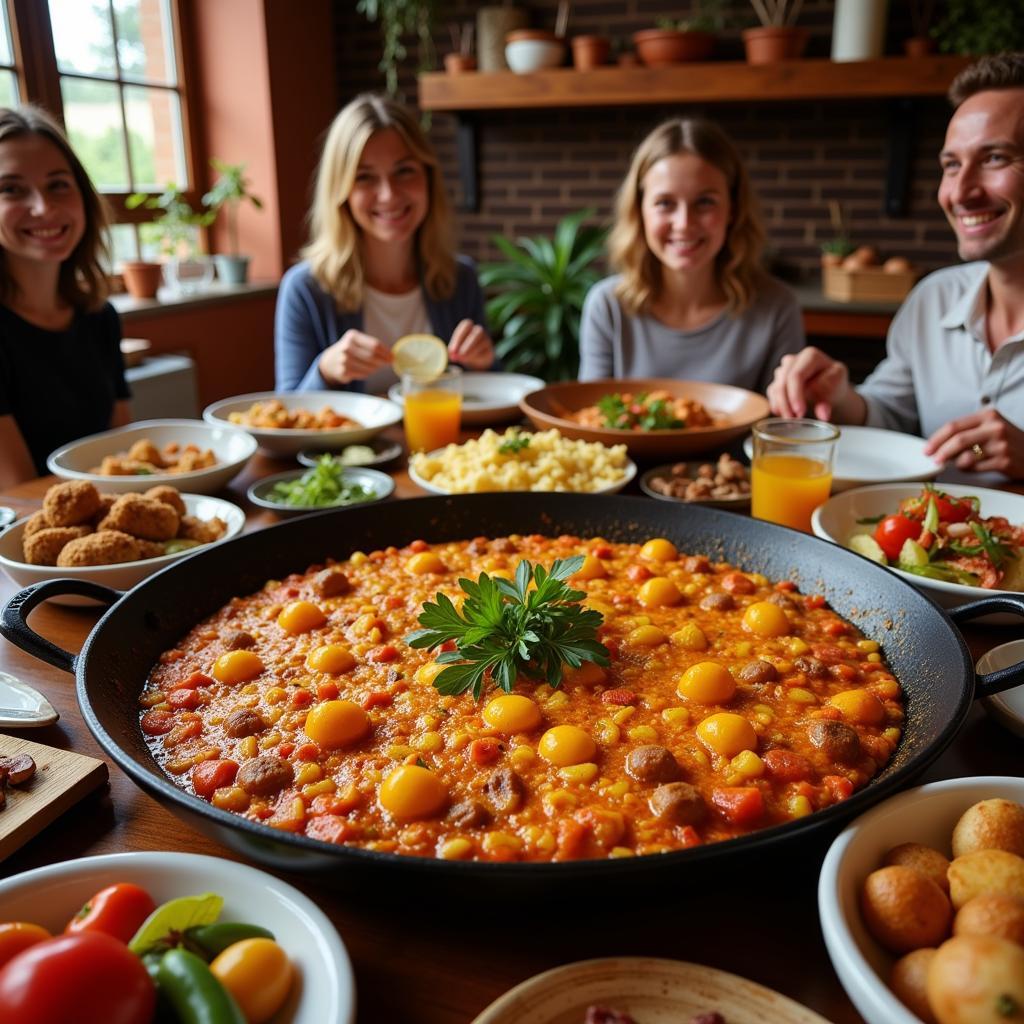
<point>487,397</point>
<point>232,447</point>
<point>22,706</point>
<point>324,989</point>
<point>837,519</point>
<point>925,815</point>
<point>867,455</point>
<point>123,575</point>
<point>372,413</point>
<point>380,483</point>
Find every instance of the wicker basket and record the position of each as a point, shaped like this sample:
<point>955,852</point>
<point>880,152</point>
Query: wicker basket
<point>866,284</point>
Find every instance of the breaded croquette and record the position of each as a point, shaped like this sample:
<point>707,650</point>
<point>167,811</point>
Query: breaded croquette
<point>142,517</point>
<point>36,522</point>
<point>169,496</point>
<point>71,503</point>
<point>105,547</point>
<point>206,531</point>
<point>145,451</point>
<point>106,504</point>
<point>44,546</point>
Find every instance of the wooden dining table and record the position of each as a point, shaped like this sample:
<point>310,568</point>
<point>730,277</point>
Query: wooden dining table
<point>423,959</point>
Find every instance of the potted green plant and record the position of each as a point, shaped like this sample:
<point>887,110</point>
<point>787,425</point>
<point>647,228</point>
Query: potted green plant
<point>229,191</point>
<point>676,41</point>
<point>777,37</point>
<point>398,18</point>
<point>980,26</point>
<point>538,297</point>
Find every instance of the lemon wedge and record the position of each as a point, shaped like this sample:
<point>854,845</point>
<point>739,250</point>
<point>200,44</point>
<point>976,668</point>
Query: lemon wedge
<point>421,355</point>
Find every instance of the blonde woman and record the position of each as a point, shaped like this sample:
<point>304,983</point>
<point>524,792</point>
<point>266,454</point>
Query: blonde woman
<point>61,372</point>
<point>691,300</point>
<point>380,262</point>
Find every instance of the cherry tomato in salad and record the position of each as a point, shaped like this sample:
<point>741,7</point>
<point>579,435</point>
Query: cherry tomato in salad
<point>89,978</point>
<point>891,533</point>
<point>16,936</point>
<point>118,910</point>
<point>950,509</point>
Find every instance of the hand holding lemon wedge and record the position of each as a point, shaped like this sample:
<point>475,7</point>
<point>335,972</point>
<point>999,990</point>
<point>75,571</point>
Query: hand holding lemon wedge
<point>422,356</point>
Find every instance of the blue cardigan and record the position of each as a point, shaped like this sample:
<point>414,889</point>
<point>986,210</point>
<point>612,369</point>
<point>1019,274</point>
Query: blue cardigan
<point>307,321</point>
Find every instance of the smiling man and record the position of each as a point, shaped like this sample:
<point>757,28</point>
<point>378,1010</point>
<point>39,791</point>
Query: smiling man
<point>954,366</point>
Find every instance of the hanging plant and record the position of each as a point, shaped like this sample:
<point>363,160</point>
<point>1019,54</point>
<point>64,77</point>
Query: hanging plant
<point>400,18</point>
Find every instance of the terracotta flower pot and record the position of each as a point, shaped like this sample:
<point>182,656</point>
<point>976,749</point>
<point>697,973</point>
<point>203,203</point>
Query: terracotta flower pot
<point>918,46</point>
<point>457,63</point>
<point>769,44</point>
<point>657,47</point>
<point>142,279</point>
<point>590,51</point>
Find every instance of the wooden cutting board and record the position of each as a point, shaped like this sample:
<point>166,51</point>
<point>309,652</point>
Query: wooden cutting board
<point>62,778</point>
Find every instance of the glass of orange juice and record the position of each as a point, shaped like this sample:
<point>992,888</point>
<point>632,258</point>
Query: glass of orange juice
<point>433,408</point>
<point>791,473</point>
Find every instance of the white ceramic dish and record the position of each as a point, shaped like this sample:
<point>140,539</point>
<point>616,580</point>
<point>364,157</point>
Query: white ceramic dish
<point>925,815</point>
<point>488,397</point>
<point>325,987</point>
<point>232,447</point>
<point>427,485</point>
<point>384,451</point>
<point>837,519</point>
<point>1007,707</point>
<point>22,707</point>
<point>380,483</point>
<point>866,455</point>
<point>123,576</point>
<point>373,414</point>
<point>526,55</point>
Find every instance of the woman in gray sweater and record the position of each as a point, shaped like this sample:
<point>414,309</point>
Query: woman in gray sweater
<point>691,300</point>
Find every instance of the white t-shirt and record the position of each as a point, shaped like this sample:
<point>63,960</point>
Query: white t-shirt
<point>390,317</point>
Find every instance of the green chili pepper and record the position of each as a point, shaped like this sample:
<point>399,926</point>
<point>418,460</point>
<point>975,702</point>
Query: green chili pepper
<point>164,1014</point>
<point>196,995</point>
<point>212,939</point>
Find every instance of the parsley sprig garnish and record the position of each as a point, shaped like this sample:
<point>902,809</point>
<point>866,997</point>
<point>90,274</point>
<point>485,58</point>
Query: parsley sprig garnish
<point>639,414</point>
<point>514,443</point>
<point>506,629</point>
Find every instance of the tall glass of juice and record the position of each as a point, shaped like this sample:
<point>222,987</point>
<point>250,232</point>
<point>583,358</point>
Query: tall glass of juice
<point>791,473</point>
<point>433,408</point>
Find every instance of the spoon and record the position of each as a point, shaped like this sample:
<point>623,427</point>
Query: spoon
<point>23,707</point>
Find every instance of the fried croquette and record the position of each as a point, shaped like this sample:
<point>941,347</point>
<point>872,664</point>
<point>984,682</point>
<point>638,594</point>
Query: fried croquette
<point>151,548</point>
<point>142,517</point>
<point>71,503</point>
<point>106,504</point>
<point>145,451</point>
<point>105,547</point>
<point>45,546</point>
<point>36,522</point>
<point>205,531</point>
<point>169,496</point>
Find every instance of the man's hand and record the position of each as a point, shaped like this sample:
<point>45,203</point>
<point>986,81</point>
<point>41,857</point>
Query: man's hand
<point>354,356</point>
<point>812,381</point>
<point>983,442</point>
<point>470,346</point>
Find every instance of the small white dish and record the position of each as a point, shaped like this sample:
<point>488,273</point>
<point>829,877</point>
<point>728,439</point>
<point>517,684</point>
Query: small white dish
<point>373,480</point>
<point>925,815</point>
<point>487,397</point>
<point>7,516</point>
<point>22,707</point>
<point>324,989</point>
<point>384,451</point>
<point>867,455</point>
<point>1007,708</point>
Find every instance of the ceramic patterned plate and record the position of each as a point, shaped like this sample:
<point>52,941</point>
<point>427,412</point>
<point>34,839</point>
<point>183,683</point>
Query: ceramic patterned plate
<point>488,397</point>
<point>651,991</point>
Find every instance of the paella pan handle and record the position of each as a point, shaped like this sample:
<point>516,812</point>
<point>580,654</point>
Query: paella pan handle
<point>14,617</point>
<point>991,683</point>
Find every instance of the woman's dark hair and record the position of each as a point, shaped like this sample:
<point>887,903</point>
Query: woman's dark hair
<point>83,282</point>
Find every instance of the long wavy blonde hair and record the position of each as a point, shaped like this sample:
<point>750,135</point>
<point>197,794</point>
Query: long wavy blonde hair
<point>83,282</point>
<point>334,251</point>
<point>738,268</point>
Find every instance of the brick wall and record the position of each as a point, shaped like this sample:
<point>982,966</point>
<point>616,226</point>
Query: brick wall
<point>537,165</point>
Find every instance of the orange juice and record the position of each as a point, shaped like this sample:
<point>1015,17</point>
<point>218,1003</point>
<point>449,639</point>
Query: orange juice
<point>786,489</point>
<point>432,419</point>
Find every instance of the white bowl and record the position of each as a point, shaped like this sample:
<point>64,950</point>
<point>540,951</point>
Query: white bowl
<point>122,576</point>
<point>382,486</point>
<point>373,414</point>
<point>526,55</point>
<point>487,397</point>
<point>1007,708</point>
<point>325,988</point>
<point>837,519</point>
<point>232,447</point>
<point>925,815</point>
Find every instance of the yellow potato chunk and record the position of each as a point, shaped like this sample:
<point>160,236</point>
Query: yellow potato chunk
<point>992,914</point>
<point>512,713</point>
<point>411,792</point>
<point>859,706</point>
<point>764,618</point>
<point>588,674</point>
<point>334,659</point>
<point>592,569</point>
<point>237,667</point>
<point>985,871</point>
<point>990,825</point>
<point>904,910</point>
<point>727,734</point>
<point>659,592</point>
<point>646,636</point>
<point>567,744</point>
<point>909,982</point>
<point>922,859</point>
<point>300,617</point>
<point>423,562</point>
<point>707,682</point>
<point>427,673</point>
<point>336,723</point>
<point>659,550</point>
<point>976,979</point>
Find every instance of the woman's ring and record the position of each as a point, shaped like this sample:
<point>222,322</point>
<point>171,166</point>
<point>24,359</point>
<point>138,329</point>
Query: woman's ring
<point>979,452</point>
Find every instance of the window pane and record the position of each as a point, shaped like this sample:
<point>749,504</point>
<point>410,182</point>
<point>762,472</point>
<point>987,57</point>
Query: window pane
<point>6,51</point>
<point>124,244</point>
<point>92,115</point>
<point>8,89</point>
<point>155,137</point>
<point>145,46</point>
<point>83,37</point>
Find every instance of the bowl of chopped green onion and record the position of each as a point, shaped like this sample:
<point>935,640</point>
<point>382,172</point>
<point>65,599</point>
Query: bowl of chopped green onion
<point>328,484</point>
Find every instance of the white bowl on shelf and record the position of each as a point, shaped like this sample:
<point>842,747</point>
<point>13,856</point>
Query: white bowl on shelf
<point>528,50</point>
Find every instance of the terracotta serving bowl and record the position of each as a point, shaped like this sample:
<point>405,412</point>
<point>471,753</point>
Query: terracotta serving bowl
<point>735,408</point>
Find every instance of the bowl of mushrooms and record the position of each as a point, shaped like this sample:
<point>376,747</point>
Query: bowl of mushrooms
<point>724,483</point>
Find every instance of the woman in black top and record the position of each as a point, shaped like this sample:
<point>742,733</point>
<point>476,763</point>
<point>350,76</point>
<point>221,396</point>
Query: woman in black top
<point>61,373</point>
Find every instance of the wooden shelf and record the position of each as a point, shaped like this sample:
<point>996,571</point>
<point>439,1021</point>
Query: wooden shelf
<point>712,82</point>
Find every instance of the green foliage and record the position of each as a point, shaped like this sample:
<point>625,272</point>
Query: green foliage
<point>980,26</point>
<point>324,485</point>
<point>639,414</point>
<point>228,193</point>
<point>175,230</point>
<point>540,291</point>
<point>706,16</point>
<point>399,18</point>
<point>840,245</point>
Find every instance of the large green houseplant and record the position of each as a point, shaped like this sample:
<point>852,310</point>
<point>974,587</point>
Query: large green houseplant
<point>538,297</point>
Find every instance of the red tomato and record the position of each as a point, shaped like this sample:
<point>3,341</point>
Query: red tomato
<point>118,910</point>
<point>952,510</point>
<point>16,936</point>
<point>89,978</point>
<point>892,531</point>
